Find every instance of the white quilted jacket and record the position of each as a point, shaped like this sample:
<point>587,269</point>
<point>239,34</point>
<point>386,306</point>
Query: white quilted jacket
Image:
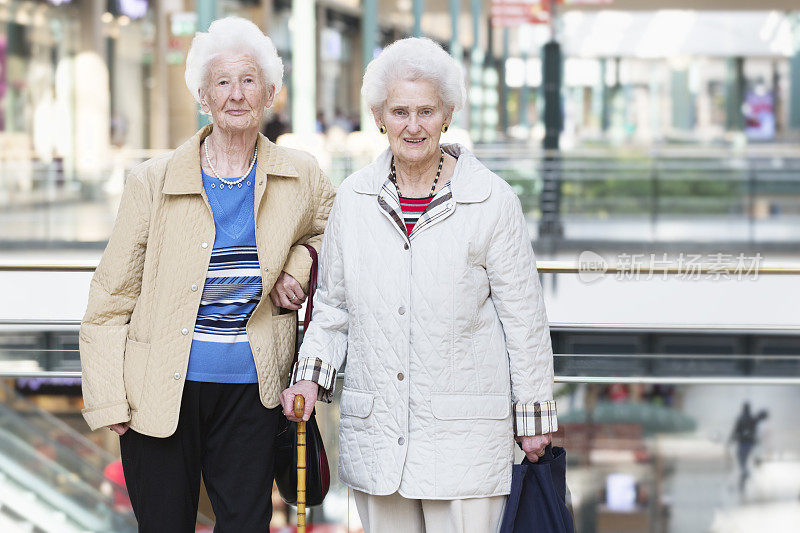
<point>136,334</point>
<point>444,334</point>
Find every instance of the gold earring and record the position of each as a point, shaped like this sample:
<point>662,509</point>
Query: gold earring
<point>445,127</point>
<point>382,129</point>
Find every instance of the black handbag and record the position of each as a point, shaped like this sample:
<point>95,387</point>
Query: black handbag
<point>318,474</point>
<point>538,496</point>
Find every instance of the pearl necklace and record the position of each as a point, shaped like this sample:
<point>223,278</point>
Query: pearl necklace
<point>230,184</point>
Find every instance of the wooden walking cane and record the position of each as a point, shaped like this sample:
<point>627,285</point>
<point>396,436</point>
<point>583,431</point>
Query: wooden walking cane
<point>299,408</point>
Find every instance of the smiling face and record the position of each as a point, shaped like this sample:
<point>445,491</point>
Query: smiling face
<point>413,115</point>
<point>235,93</point>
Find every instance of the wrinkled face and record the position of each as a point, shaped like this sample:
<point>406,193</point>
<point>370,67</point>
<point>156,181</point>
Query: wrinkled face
<point>235,93</point>
<point>413,115</point>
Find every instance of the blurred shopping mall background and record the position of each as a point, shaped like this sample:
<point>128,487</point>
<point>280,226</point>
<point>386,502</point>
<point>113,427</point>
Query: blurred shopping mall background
<point>654,144</point>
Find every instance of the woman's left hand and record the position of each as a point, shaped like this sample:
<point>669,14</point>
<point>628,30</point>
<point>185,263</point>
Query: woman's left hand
<point>534,446</point>
<point>287,293</point>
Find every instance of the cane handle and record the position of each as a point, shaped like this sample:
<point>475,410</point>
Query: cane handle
<point>299,406</point>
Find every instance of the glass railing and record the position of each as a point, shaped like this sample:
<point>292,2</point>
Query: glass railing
<point>651,441</point>
<point>651,388</point>
<point>671,194</point>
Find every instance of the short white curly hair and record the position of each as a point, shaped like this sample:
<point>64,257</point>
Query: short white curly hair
<point>412,59</point>
<point>232,34</point>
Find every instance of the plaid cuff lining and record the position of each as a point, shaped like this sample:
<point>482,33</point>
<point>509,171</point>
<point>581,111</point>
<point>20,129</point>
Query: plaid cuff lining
<point>535,418</point>
<point>319,372</point>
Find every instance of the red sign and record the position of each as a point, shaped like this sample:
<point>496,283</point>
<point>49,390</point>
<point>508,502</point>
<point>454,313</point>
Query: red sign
<point>512,13</point>
<point>585,2</point>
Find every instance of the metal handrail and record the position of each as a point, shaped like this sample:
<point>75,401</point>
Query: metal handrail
<point>544,267</point>
<point>608,380</point>
<point>743,329</point>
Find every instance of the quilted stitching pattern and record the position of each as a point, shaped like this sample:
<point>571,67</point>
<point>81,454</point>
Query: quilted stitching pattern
<point>458,313</point>
<point>141,289</point>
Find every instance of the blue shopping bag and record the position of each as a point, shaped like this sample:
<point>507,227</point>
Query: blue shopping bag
<point>538,493</point>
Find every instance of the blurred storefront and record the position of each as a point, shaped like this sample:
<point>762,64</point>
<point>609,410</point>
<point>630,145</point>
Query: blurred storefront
<point>89,88</point>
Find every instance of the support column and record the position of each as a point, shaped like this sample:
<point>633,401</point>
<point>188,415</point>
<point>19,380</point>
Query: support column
<point>304,77</point>
<point>92,38</point>
<point>455,16</point>
<point>320,103</point>
<point>550,225</point>
<point>490,87</point>
<point>206,14</point>
<point>681,97</point>
<point>524,92</point>
<point>502,83</point>
<point>91,100</point>
<point>267,12</point>
<point>369,41</point>
<point>734,94</point>
<point>456,50</point>
<point>417,8</point>
<point>794,76</point>
<point>615,119</point>
<point>602,88</point>
<point>476,75</point>
<point>159,94</point>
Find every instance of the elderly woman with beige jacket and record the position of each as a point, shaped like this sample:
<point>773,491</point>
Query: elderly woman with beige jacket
<point>429,291</point>
<point>183,355</point>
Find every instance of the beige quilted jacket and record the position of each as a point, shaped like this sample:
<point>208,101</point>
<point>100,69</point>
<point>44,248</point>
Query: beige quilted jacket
<point>144,297</point>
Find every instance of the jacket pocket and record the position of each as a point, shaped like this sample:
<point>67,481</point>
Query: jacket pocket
<point>458,406</point>
<point>133,370</point>
<point>356,403</point>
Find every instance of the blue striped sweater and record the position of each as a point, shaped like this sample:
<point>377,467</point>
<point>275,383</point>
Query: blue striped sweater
<point>220,350</point>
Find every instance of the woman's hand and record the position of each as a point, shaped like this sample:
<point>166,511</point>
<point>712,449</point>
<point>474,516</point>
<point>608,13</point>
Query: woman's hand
<point>119,429</point>
<point>287,293</point>
<point>534,446</point>
<point>306,389</point>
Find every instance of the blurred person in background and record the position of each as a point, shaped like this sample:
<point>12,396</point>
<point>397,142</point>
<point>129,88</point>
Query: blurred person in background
<point>745,435</point>
<point>429,290</point>
<point>182,355</point>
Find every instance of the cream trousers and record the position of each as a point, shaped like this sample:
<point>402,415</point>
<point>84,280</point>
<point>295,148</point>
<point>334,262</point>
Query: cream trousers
<point>394,513</point>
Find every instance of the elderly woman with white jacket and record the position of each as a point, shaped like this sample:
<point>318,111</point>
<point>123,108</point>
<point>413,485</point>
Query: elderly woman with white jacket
<point>429,290</point>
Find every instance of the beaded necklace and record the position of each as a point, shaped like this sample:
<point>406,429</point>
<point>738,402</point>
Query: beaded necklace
<point>435,180</point>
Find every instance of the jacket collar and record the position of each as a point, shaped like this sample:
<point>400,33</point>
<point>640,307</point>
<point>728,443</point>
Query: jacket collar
<point>183,172</point>
<point>470,182</point>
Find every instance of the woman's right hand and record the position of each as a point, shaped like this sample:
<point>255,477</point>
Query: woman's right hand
<point>119,429</point>
<point>308,390</point>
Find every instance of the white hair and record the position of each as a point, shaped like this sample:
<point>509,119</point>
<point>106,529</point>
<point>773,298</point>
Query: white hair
<point>413,59</point>
<point>232,34</point>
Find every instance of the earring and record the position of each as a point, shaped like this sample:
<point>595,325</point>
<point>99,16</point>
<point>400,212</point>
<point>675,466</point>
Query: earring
<point>382,129</point>
<point>445,127</point>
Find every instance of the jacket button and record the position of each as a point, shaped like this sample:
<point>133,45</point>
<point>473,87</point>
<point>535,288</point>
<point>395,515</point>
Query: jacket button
<point>401,441</point>
<point>204,244</point>
<point>176,375</point>
<point>185,331</point>
<point>405,246</point>
<point>194,287</point>
<point>400,376</point>
<point>258,348</point>
<point>402,310</point>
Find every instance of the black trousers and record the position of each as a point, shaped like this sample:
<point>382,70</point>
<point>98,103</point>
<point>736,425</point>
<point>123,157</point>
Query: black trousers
<point>225,433</point>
